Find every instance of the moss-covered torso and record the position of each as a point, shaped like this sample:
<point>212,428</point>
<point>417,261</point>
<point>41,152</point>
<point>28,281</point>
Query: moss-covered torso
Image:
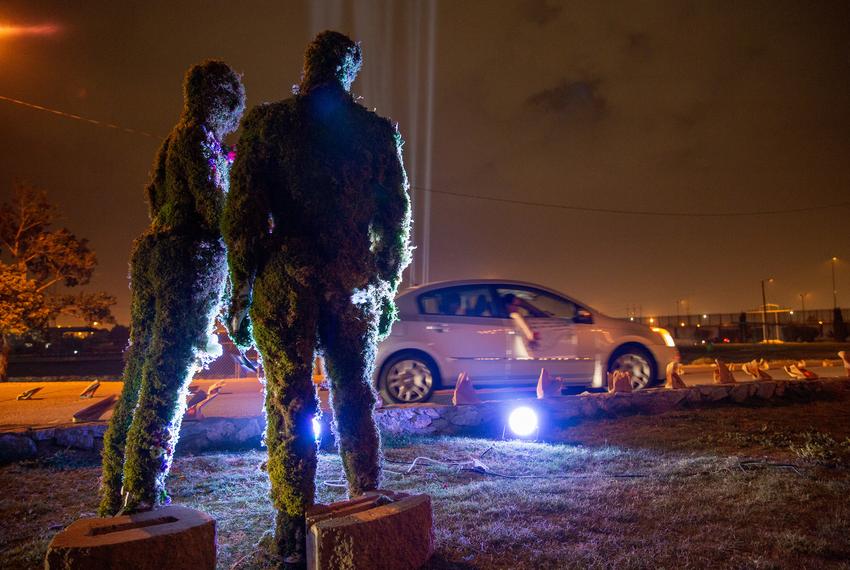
<point>184,196</point>
<point>331,176</point>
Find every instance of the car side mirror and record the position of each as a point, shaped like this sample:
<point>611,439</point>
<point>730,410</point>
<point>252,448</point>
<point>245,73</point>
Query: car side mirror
<point>583,317</point>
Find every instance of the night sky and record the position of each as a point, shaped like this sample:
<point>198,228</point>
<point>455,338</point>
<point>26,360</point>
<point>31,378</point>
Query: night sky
<point>705,106</point>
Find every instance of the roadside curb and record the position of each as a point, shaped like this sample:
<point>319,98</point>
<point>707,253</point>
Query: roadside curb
<point>431,419</point>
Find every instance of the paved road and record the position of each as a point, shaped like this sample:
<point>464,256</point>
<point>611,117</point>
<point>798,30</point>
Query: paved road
<point>57,402</point>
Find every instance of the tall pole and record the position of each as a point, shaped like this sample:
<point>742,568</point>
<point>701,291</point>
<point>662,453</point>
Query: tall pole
<point>834,290</point>
<point>764,329</point>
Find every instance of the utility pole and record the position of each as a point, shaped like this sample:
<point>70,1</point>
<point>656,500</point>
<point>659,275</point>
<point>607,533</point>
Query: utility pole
<point>764,330</point>
<point>834,290</point>
<point>803,305</point>
<point>676,328</point>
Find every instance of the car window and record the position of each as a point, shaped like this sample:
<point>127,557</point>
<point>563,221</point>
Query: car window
<point>464,301</point>
<point>533,303</point>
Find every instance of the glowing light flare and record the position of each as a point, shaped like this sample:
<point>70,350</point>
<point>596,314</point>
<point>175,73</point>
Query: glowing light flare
<point>317,428</point>
<point>12,31</point>
<point>523,421</point>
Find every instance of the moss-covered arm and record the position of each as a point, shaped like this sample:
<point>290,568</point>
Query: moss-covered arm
<point>155,191</point>
<point>392,228</point>
<point>245,220</point>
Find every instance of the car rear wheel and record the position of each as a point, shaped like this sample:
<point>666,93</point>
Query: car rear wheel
<point>408,378</point>
<point>638,362</point>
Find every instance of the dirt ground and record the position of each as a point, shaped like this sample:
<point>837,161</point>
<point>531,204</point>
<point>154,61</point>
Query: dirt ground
<point>764,486</point>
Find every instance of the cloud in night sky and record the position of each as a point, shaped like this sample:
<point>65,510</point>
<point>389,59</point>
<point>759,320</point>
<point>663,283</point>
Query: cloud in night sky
<point>570,98</point>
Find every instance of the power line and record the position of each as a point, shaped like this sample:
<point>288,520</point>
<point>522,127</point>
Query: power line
<point>530,203</point>
<point>635,212</point>
<point>78,117</point>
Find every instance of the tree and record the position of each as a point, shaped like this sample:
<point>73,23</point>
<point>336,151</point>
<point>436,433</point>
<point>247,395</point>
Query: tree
<point>37,263</point>
<point>22,308</point>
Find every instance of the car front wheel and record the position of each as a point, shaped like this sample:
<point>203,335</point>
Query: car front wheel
<point>638,363</point>
<point>408,378</point>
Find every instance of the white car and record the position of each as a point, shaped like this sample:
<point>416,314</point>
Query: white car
<point>502,333</point>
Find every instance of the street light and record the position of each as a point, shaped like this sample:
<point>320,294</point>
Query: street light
<point>764,330</point>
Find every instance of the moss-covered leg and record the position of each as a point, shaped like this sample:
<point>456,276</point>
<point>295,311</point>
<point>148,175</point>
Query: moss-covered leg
<point>348,334</point>
<point>284,313</point>
<point>141,323</point>
<point>191,273</point>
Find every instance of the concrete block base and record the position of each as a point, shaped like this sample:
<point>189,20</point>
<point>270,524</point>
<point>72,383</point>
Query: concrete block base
<point>381,529</point>
<point>174,537</point>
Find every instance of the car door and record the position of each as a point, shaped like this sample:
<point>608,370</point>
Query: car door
<point>465,331</point>
<point>558,342</point>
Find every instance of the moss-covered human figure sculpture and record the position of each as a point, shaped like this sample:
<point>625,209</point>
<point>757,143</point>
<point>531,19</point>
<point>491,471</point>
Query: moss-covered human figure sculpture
<point>316,224</point>
<point>177,272</point>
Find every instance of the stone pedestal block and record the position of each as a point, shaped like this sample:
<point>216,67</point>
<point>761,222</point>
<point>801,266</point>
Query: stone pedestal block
<point>382,529</point>
<point>173,537</point>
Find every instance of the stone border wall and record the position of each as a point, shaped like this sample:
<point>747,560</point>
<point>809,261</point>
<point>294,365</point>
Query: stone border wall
<point>429,419</point>
<point>489,418</point>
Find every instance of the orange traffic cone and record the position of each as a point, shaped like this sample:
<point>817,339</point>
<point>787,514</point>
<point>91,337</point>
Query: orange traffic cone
<point>546,386</point>
<point>846,360</point>
<point>464,393</point>
<point>619,381</point>
<point>674,376</point>
<point>722,374</point>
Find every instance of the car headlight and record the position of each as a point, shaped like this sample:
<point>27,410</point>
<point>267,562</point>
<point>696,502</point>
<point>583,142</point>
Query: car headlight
<point>665,334</point>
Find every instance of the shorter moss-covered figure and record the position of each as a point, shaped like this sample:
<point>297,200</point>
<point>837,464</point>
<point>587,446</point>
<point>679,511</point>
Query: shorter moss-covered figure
<point>177,274</point>
<point>317,225</point>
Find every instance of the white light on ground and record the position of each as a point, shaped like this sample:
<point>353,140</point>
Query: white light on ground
<point>317,428</point>
<point>523,421</point>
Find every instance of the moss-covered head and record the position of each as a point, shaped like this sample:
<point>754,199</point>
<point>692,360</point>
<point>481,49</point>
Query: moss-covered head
<point>331,58</point>
<point>213,95</point>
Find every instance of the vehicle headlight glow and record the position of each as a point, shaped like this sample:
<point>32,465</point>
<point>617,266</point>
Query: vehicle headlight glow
<point>523,421</point>
<point>665,334</point>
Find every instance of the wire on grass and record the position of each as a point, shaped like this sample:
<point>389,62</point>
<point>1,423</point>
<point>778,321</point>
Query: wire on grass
<point>482,471</point>
<point>475,465</point>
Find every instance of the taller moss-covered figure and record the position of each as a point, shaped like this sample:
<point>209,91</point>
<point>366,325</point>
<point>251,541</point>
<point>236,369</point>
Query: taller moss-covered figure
<point>317,224</point>
<point>177,273</point>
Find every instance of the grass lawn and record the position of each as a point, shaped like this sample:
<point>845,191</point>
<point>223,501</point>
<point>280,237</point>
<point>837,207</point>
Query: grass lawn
<point>729,487</point>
